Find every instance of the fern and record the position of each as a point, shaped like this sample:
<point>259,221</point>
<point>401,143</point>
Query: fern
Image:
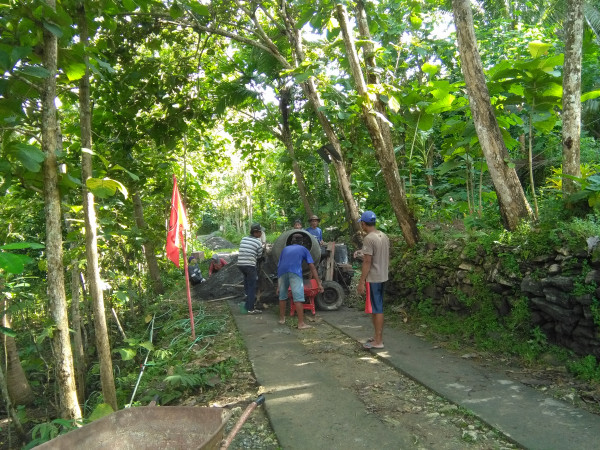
<point>46,431</point>
<point>185,379</point>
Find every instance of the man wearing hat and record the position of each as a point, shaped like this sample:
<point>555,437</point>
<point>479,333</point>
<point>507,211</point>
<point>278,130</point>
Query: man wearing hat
<point>216,264</point>
<point>314,229</point>
<point>251,250</point>
<point>374,274</point>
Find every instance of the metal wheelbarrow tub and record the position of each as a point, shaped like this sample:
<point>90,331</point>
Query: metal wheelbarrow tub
<point>150,427</point>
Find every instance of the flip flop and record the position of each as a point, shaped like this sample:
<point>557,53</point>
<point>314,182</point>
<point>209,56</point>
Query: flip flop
<point>370,340</point>
<point>282,322</point>
<point>305,327</point>
<point>369,346</point>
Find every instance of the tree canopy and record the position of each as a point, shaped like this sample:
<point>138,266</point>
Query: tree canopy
<point>271,111</point>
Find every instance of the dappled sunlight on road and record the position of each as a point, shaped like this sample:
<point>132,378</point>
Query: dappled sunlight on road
<point>305,363</point>
<point>284,393</point>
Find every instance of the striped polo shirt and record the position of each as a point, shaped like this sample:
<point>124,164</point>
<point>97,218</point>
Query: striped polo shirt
<point>250,250</point>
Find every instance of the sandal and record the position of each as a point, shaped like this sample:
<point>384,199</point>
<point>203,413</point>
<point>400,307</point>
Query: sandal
<point>370,345</point>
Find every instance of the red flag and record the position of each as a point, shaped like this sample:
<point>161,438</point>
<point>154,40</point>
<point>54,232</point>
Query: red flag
<point>368,308</point>
<point>177,223</point>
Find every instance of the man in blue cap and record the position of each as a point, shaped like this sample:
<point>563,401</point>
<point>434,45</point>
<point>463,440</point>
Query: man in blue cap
<point>374,274</point>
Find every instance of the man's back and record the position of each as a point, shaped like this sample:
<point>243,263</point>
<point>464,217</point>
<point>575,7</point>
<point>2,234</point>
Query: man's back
<point>377,244</point>
<point>291,259</point>
<point>250,251</point>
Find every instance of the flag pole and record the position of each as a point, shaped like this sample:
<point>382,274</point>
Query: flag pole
<point>187,288</point>
<point>176,240</point>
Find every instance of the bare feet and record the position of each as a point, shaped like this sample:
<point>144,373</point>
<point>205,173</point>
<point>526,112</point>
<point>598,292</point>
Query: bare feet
<point>281,321</point>
<point>303,326</point>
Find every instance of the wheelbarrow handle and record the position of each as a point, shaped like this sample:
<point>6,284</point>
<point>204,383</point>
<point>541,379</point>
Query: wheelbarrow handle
<point>227,442</point>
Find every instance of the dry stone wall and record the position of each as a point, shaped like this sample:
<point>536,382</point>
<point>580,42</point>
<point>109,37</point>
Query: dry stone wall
<point>562,287</point>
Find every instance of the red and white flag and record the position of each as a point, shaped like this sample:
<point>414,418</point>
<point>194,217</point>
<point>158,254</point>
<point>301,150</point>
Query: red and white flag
<point>177,223</point>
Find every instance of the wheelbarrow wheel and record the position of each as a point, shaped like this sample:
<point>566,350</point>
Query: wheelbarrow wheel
<point>331,298</point>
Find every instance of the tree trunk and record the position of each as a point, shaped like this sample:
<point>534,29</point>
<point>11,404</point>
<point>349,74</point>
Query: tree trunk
<point>311,93</point>
<point>374,118</point>
<point>429,168</point>
<point>265,43</point>
<point>571,116</point>
<point>77,326</point>
<point>91,248</point>
<point>338,165</point>
<point>511,198</point>
<point>69,407</point>
<point>18,387</point>
<point>286,138</point>
<point>148,246</point>
<point>11,409</point>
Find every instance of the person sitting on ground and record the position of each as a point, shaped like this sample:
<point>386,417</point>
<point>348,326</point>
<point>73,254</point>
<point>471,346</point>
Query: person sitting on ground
<point>289,275</point>
<point>251,250</point>
<point>298,224</point>
<point>315,230</point>
<point>216,264</point>
<point>194,273</point>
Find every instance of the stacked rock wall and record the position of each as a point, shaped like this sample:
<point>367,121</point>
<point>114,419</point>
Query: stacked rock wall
<point>562,288</point>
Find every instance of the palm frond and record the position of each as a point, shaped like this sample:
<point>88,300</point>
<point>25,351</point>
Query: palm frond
<point>233,93</point>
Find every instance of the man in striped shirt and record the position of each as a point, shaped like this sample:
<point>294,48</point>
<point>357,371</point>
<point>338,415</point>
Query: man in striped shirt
<point>251,250</point>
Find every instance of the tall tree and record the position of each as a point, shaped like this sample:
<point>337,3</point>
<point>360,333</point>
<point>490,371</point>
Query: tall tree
<point>12,412</point>
<point>292,49</point>
<point>91,241</point>
<point>77,327</point>
<point>511,198</point>
<point>148,246</point>
<point>571,115</point>
<point>374,116</point>
<point>69,407</point>
<point>285,134</point>
<point>19,388</point>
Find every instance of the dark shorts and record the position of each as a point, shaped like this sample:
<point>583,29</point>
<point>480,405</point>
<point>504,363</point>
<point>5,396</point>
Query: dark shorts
<point>375,293</point>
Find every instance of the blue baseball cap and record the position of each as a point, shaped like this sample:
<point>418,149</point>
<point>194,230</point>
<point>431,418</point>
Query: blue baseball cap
<point>368,216</point>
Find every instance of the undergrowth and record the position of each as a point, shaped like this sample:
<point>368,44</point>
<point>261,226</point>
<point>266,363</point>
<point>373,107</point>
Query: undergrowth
<point>472,318</point>
<point>159,360</point>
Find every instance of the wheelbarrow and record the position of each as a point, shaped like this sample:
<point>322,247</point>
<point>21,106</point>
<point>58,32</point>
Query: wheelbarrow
<point>150,427</point>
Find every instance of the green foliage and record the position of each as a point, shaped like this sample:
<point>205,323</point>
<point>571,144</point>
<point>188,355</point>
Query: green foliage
<point>46,431</point>
<point>134,345</point>
<point>595,310</point>
<point>586,368</point>
<point>184,380</point>
<point>519,317</point>
<point>101,410</point>
<point>589,185</point>
<point>14,263</point>
<point>171,354</point>
<point>425,308</point>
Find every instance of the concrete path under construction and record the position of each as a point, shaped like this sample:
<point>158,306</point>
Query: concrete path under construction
<point>298,391</point>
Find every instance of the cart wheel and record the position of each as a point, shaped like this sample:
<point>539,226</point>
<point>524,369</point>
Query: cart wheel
<point>331,298</point>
